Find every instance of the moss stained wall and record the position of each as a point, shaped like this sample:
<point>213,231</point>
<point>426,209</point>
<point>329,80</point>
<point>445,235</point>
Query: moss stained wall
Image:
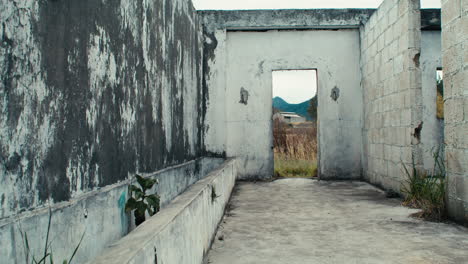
<point>92,92</point>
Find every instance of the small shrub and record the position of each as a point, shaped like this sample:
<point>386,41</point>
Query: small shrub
<point>426,190</point>
<point>140,202</point>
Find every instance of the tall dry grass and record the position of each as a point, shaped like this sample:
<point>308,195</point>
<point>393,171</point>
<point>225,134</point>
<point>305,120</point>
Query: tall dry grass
<point>295,142</point>
<point>295,150</point>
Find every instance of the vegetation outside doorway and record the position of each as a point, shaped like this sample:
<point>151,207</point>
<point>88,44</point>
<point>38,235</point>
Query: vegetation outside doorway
<point>295,123</point>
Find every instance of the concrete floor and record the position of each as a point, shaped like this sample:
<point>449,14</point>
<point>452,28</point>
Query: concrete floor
<point>307,221</point>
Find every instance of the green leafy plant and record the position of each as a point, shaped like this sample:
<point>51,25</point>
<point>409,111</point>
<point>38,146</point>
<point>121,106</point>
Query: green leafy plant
<point>426,189</point>
<point>140,202</point>
<point>47,256</point>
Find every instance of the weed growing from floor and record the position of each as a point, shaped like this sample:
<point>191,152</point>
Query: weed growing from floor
<point>426,189</point>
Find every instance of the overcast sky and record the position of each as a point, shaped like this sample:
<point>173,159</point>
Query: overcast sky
<point>288,4</point>
<point>295,86</point>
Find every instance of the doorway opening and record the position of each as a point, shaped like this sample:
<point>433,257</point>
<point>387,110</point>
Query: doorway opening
<point>440,93</point>
<point>295,102</point>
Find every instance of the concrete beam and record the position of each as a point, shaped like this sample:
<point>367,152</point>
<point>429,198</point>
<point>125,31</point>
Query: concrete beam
<point>284,19</point>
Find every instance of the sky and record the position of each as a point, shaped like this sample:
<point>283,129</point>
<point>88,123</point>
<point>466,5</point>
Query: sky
<point>290,4</point>
<point>295,86</point>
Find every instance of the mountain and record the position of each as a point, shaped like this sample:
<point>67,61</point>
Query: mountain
<point>300,109</point>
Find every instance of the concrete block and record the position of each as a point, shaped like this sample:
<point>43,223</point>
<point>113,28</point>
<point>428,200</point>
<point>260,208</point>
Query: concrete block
<point>372,21</point>
<point>449,36</point>
<point>448,86</point>
<point>392,15</point>
<point>403,41</point>
<point>405,118</point>
<point>406,154</point>
<point>454,110</point>
<point>404,80</point>
<point>387,152</point>
<point>450,135</point>
<point>462,135</point>
<point>389,37</point>
<point>398,64</point>
<point>459,83</point>
<point>450,11</point>
<point>414,39</point>
<point>457,160</point>
<point>393,52</point>
<point>381,42</point>
<point>403,7</point>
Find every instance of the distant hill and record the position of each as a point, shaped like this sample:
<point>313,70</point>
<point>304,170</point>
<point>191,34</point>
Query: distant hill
<point>300,109</point>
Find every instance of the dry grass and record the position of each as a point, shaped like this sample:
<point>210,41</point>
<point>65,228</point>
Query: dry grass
<point>295,150</point>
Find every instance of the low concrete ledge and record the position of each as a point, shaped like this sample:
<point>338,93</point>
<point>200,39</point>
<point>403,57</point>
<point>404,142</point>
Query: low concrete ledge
<point>99,214</point>
<point>181,232</point>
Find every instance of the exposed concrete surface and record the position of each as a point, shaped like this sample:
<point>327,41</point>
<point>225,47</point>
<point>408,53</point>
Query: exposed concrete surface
<point>455,66</point>
<point>99,215</point>
<point>182,232</point>
<point>251,58</point>
<point>308,221</point>
<point>392,88</point>
<point>284,19</point>
<point>432,134</point>
<point>92,92</point>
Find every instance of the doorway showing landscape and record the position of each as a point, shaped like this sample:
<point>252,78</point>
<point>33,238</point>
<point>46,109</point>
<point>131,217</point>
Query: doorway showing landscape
<point>295,123</point>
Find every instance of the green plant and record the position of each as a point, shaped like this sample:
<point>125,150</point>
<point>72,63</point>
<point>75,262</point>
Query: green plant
<point>47,256</point>
<point>426,189</point>
<point>294,168</point>
<point>140,202</point>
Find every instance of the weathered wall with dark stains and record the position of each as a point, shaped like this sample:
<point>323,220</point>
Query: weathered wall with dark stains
<point>93,92</point>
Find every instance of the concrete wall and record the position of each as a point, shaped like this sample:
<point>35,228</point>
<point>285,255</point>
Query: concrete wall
<point>432,134</point>
<point>455,66</point>
<point>183,231</point>
<point>236,59</point>
<point>91,93</point>
<point>252,56</point>
<point>390,62</point>
<point>99,215</point>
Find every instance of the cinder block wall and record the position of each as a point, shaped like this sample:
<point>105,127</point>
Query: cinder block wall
<point>455,67</point>
<point>391,83</point>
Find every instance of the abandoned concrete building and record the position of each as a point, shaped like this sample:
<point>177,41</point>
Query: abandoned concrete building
<point>94,92</point>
